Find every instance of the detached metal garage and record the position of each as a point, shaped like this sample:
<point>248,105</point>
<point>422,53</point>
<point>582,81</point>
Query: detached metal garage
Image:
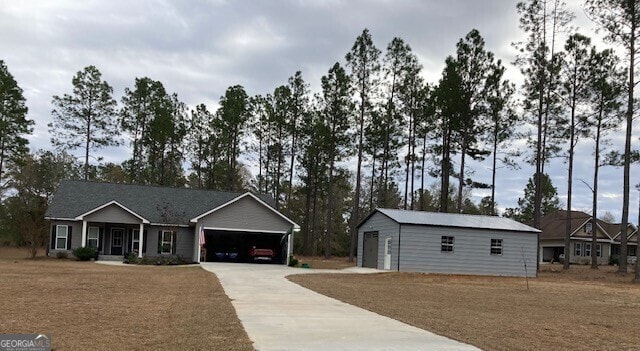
<point>429,242</point>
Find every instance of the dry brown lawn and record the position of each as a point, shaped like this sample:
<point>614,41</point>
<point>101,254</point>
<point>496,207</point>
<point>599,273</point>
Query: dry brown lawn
<point>85,305</point>
<point>317,262</point>
<point>576,310</point>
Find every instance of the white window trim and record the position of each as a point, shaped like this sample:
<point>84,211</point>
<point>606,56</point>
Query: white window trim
<point>134,240</point>
<point>65,237</point>
<point>497,246</point>
<point>443,244</point>
<point>170,242</point>
<point>577,249</point>
<point>587,249</point>
<point>599,250</point>
<point>97,238</point>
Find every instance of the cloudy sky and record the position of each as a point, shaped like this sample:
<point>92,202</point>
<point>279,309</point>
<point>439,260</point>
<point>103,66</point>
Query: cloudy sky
<point>199,48</point>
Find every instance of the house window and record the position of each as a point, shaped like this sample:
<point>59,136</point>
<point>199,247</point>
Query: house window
<point>577,249</point>
<point>135,241</point>
<point>632,251</point>
<point>587,249</point>
<point>167,241</point>
<point>496,246</point>
<point>599,250</point>
<point>588,227</point>
<point>62,233</point>
<point>93,236</point>
<point>446,244</point>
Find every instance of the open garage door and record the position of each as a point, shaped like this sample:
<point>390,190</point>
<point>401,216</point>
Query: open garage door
<point>236,246</point>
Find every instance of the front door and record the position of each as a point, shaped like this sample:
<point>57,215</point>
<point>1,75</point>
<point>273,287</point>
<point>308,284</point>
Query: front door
<point>117,239</point>
<point>387,253</point>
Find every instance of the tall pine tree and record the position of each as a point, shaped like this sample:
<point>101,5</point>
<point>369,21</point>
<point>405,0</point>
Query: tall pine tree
<point>14,124</point>
<point>86,119</point>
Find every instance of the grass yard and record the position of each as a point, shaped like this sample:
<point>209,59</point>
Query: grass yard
<point>577,310</point>
<point>85,305</point>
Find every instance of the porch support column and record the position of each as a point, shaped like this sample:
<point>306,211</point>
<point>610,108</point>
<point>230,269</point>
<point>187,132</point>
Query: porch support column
<point>84,233</point>
<point>197,243</point>
<point>141,242</point>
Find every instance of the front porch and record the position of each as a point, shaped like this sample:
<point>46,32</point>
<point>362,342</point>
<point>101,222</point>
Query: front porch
<point>114,240</point>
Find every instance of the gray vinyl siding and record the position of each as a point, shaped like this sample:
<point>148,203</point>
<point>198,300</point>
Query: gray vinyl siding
<point>113,214</point>
<point>76,235</point>
<point>184,241</point>
<point>420,251</point>
<point>246,214</point>
<point>386,228</point>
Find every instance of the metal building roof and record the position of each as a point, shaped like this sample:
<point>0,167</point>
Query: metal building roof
<point>453,220</point>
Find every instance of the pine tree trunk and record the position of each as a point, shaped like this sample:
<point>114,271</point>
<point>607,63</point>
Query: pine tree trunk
<point>413,162</point>
<point>463,153</point>
<point>407,164</point>
<point>596,169</point>
<point>329,224</point>
<point>444,183</point>
<point>292,164</point>
<point>306,239</point>
<point>424,156</point>
<point>493,170</point>
<point>313,218</point>
<point>373,180</point>
<point>567,228</point>
<point>86,148</point>
<point>355,215</point>
<point>622,267</point>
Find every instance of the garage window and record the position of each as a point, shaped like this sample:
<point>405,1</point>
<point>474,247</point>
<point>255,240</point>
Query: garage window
<point>496,247</point>
<point>446,244</point>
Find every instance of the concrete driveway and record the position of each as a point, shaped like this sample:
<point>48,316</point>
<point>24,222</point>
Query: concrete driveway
<point>280,315</point>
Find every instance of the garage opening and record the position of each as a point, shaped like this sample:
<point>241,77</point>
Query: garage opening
<point>245,247</point>
<point>552,254</point>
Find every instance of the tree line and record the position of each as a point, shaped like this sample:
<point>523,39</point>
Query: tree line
<point>375,135</point>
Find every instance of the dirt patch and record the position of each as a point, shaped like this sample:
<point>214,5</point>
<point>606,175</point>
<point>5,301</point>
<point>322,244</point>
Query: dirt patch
<point>576,310</point>
<point>85,305</point>
<point>316,262</point>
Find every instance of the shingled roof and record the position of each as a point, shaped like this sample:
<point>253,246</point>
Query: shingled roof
<point>554,225</point>
<point>74,198</point>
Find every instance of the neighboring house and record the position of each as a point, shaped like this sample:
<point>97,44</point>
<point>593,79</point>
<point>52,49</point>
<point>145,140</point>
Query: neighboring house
<point>446,243</point>
<point>581,227</point>
<point>118,219</point>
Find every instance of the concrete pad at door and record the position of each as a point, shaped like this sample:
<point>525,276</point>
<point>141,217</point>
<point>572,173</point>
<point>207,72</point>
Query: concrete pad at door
<point>280,315</point>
